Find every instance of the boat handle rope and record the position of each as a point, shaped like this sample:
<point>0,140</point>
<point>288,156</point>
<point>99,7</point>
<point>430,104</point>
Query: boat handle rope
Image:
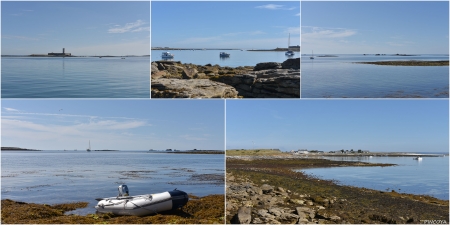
<point>117,203</point>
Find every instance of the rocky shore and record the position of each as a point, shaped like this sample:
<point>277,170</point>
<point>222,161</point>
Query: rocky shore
<point>172,79</point>
<point>204,210</point>
<point>261,191</point>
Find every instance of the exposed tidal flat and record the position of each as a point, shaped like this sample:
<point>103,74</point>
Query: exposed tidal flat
<point>375,76</point>
<point>75,77</point>
<point>199,210</point>
<point>273,188</point>
<point>60,177</point>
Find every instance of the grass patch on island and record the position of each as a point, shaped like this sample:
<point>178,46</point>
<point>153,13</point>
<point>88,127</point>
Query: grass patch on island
<point>254,152</point>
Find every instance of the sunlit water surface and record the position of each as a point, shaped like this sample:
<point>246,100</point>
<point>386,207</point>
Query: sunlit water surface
<point>67,176</point>
<point>337,77</point>
<point>429,176</point>
<point>75,77</point>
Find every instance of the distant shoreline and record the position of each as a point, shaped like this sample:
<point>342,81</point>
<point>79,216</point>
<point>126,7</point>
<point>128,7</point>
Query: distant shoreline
<point>226,49</point>
<point>17,149</point>
<point>408,63</point>
<point>197,152</point>
<point>75,56</point>
<point>108,150</point>
<point>279,154</point>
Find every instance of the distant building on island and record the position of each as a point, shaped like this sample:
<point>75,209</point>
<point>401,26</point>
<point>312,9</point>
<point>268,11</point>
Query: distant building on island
<point>63,54</point>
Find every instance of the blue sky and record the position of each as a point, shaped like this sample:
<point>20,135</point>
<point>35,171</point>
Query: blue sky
<point>374,125</point>
<point>409,27</point>
<point>113,124</point>
<point>83,28</point>
<point>233,24</point>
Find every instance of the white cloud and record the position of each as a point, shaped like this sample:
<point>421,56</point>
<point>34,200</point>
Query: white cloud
<point>298,14</point>
<point>129,27</point>
<point>20,37</point>
<point>274,7</point>
<point>293,30</point>
<point>141,29</point>
<point>10,109</point>
<point>321,33</point>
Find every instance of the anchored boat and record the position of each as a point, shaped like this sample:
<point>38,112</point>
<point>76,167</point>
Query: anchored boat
<point>141,205</point>
<point>89,149</point>
<point>289,52</point>
<point>224,54</point>
<point>167,55</point>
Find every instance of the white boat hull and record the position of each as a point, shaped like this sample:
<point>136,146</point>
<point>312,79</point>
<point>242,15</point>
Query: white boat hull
<point>142,205</point>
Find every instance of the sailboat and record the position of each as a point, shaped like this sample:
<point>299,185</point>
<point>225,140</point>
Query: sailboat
<point>289,52</point>
<point>89,149</point>
<point>312,55</point>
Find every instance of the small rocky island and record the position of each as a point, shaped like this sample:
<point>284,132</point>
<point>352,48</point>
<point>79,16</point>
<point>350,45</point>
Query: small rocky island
<point>17,149</point>
<point>172,79</point>
<point>408,63</point>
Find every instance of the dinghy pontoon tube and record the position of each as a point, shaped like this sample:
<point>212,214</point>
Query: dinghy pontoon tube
<point>142,205</point>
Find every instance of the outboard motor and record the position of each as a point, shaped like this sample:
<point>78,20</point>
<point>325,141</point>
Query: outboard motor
<point>123,190</point>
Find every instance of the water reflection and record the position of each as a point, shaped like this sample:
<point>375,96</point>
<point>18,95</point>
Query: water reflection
<point>224,58</point>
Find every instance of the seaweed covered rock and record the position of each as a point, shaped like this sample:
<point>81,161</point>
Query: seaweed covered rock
<point>265,80</point>
<point>267,66</point>
<point>291,64</point>
<point>192,88</point>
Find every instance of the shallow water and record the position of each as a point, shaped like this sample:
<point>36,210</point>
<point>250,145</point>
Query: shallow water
<point>429,176</point>
<point>67,176</point>
<point>237,57</point>
<point>338,77</point>
<point>75,77</point>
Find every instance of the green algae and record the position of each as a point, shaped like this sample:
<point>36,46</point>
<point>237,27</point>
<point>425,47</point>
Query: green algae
<point>353,204</point>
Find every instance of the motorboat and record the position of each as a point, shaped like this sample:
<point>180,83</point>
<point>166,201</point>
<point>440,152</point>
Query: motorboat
<point>417,158</point>
<point>167,55</point>
<point>141,205</point>
<point>224,54</point>
<point>290,53</point>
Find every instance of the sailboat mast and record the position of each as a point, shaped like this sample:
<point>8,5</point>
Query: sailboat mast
<point>289,40</point>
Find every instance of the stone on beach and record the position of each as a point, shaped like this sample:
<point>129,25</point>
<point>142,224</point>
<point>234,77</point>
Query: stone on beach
<point>265,80</point>
<point>193,88</point>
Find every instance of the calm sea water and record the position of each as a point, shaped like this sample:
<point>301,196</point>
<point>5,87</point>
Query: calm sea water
<point>338,77</point>
<point>68,176</point>
<point>237,57</point>
<point>428,176</point>
<point>75,77</point>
